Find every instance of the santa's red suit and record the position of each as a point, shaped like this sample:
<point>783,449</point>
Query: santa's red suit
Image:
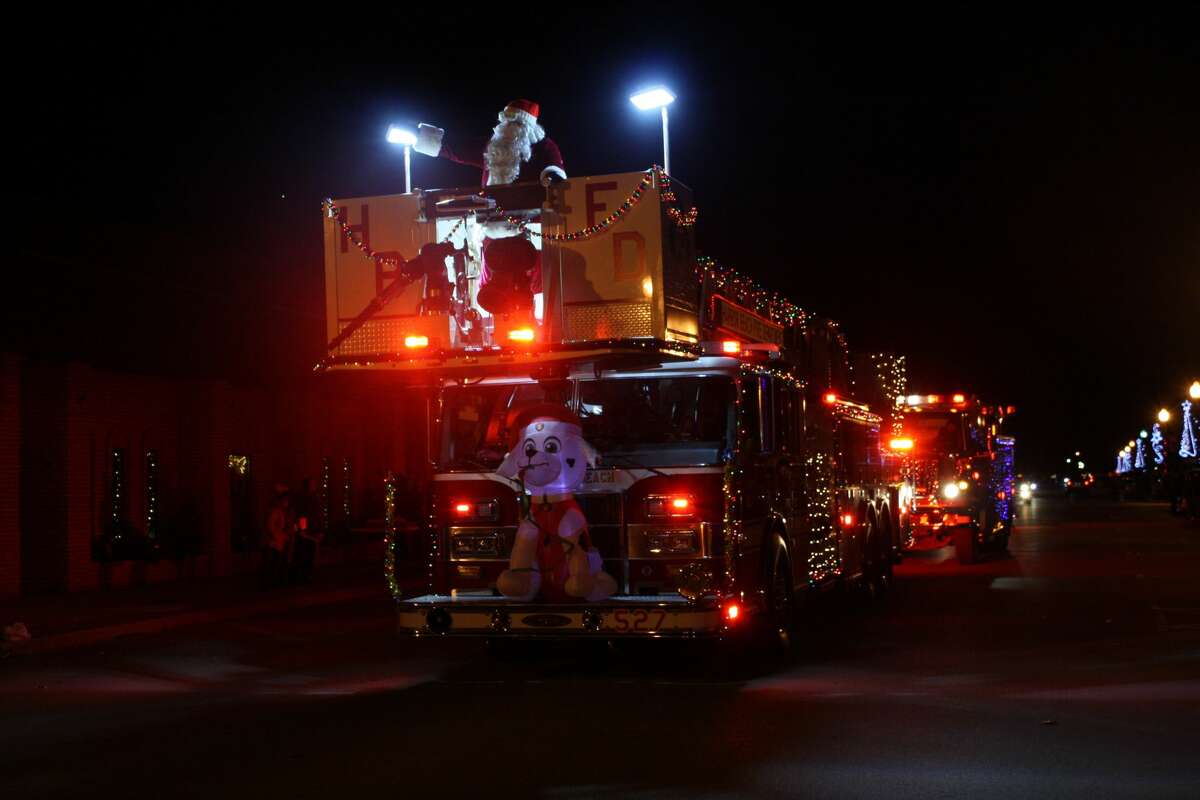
<point>543,162</point>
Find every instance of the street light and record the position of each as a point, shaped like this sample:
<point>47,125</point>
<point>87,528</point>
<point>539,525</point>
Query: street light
<point>1164,415</point>
<point>1194,390</point>
<point>404,136</point>
<point>658,97</point>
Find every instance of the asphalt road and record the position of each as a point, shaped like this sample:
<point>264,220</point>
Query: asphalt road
<point>1070,669</point>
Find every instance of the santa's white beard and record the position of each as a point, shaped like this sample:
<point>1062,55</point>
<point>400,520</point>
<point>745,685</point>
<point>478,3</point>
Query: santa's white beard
<point>511,145</point>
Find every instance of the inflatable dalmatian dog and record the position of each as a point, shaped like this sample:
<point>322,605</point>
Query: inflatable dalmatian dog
<point>552,554</point>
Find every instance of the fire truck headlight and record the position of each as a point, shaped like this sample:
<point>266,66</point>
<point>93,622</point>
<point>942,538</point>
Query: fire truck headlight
<point>1025,491</point>
<point>950,491</point>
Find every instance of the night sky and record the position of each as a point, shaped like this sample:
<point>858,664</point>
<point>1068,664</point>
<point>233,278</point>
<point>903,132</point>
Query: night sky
<point>1013,201</point>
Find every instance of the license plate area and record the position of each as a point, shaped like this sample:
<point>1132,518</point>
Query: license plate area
<point>636,620</point>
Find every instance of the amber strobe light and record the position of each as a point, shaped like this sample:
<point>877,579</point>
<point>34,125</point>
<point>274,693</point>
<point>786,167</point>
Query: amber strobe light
<point>520,335</point>
<point>413,342</point>
<point>901,444</point>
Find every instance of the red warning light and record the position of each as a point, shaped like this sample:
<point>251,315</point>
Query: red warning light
<point>732,611</point>
<point>830,398</point>
<point>731,347</point>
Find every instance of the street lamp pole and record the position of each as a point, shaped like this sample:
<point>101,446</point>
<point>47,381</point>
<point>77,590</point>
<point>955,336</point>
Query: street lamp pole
<point>405,137</point>
<point>659,97</point>
<point>666,144</point>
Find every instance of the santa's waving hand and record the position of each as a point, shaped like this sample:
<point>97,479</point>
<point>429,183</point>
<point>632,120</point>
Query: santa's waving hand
<point>518,149</point>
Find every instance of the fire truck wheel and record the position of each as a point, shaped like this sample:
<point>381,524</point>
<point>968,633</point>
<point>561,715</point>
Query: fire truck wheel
<point>781,606</point>
<point>877,563</point>
<point>964,544</point>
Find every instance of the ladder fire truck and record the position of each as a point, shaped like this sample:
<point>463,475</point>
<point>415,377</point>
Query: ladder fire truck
<point>962,470</point>
<point>735,471</point>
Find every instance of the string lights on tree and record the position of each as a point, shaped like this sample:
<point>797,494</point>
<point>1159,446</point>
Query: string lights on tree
<point>1157,444</point>
<point>1187,432</point>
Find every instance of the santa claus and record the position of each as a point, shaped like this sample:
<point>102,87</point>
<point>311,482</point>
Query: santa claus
<point>518,150</point>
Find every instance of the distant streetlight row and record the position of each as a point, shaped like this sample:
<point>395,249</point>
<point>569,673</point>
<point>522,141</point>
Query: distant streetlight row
<point>658,97</point>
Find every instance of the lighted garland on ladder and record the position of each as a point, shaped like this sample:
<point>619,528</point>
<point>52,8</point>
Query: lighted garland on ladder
<point>389,536</point>
<point>684,219</point>
<point>334,212</point>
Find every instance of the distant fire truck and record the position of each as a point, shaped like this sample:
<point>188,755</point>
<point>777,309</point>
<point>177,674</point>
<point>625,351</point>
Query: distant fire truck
<point>962,469</point>
<point>734,470</point>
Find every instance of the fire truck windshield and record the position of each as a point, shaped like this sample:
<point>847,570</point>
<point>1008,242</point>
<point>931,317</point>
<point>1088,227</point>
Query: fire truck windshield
<point>668,421</point>
<point>935,433</point>
<point>659,422</point>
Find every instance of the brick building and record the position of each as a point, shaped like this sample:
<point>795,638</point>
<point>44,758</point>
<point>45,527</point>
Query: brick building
<point>111,479</point>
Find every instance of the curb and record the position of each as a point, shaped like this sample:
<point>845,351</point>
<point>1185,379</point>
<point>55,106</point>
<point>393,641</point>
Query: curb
<point>273,605</point>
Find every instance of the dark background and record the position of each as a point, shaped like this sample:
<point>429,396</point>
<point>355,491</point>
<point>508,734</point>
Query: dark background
<point>1011,199</point>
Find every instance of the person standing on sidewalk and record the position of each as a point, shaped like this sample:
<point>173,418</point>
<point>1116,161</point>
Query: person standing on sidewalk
<point>278,539</point>
<point>309,532</point>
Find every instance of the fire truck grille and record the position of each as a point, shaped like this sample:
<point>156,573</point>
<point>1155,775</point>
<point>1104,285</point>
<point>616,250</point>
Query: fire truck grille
<point>603,514</point>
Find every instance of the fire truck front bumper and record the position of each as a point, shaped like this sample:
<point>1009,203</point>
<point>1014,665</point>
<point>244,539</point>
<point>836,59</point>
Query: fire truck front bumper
<point>933,526</point>
<point>649,616</point>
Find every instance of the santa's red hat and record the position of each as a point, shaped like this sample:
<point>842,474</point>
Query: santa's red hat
<point>527,109</point>
<point>542,412</point>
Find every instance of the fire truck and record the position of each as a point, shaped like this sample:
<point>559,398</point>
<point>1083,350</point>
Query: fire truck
<point>735,472</point>
<point>961,468</point>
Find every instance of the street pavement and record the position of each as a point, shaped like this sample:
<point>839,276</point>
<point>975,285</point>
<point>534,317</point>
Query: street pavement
<point>1069,668</point>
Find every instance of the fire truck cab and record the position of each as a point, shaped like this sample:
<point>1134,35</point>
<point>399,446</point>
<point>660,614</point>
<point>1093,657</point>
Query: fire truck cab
<point>961,468</point>
<point>734,473</point>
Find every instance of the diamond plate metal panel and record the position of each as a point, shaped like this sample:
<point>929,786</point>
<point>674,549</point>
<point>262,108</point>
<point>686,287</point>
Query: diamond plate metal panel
<point>607,321</point>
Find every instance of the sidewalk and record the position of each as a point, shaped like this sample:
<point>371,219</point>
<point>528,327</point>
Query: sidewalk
<point>65,621</point>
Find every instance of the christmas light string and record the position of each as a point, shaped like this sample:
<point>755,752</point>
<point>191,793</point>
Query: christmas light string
<point>1187,436</point>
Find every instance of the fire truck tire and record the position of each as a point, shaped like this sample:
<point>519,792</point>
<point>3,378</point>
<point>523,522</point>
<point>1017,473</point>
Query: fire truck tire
<point>877,562</point>
<point>965,545</point>
<point>781,606</point>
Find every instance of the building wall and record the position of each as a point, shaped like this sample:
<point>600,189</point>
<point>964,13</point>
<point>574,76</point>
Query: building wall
<point>10,487</point>
<point>59,425</point>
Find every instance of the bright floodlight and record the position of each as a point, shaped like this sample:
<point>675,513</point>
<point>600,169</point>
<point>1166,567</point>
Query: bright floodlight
<point>398,135</point>
<point>652,98</point>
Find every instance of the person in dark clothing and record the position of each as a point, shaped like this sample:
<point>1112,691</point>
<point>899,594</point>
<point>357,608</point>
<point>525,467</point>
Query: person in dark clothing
<point>278,539</point>
<point>309,532</point>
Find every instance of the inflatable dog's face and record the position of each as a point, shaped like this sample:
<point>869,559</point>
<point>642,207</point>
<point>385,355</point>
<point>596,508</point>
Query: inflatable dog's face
<point>550,457</point>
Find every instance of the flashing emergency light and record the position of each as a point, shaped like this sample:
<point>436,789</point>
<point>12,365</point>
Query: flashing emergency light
<point>731,347</point>
<point>830,398</point>
<point>950,491</point>
<point>680,504</point>
<point>732,611</point>
<point>901,444</point>
<point>462,508</point>
<point>520,335</point>
<point>847,520</point>
<point>960,398</point>
<point>914,400</point>
<point>414,342</point>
